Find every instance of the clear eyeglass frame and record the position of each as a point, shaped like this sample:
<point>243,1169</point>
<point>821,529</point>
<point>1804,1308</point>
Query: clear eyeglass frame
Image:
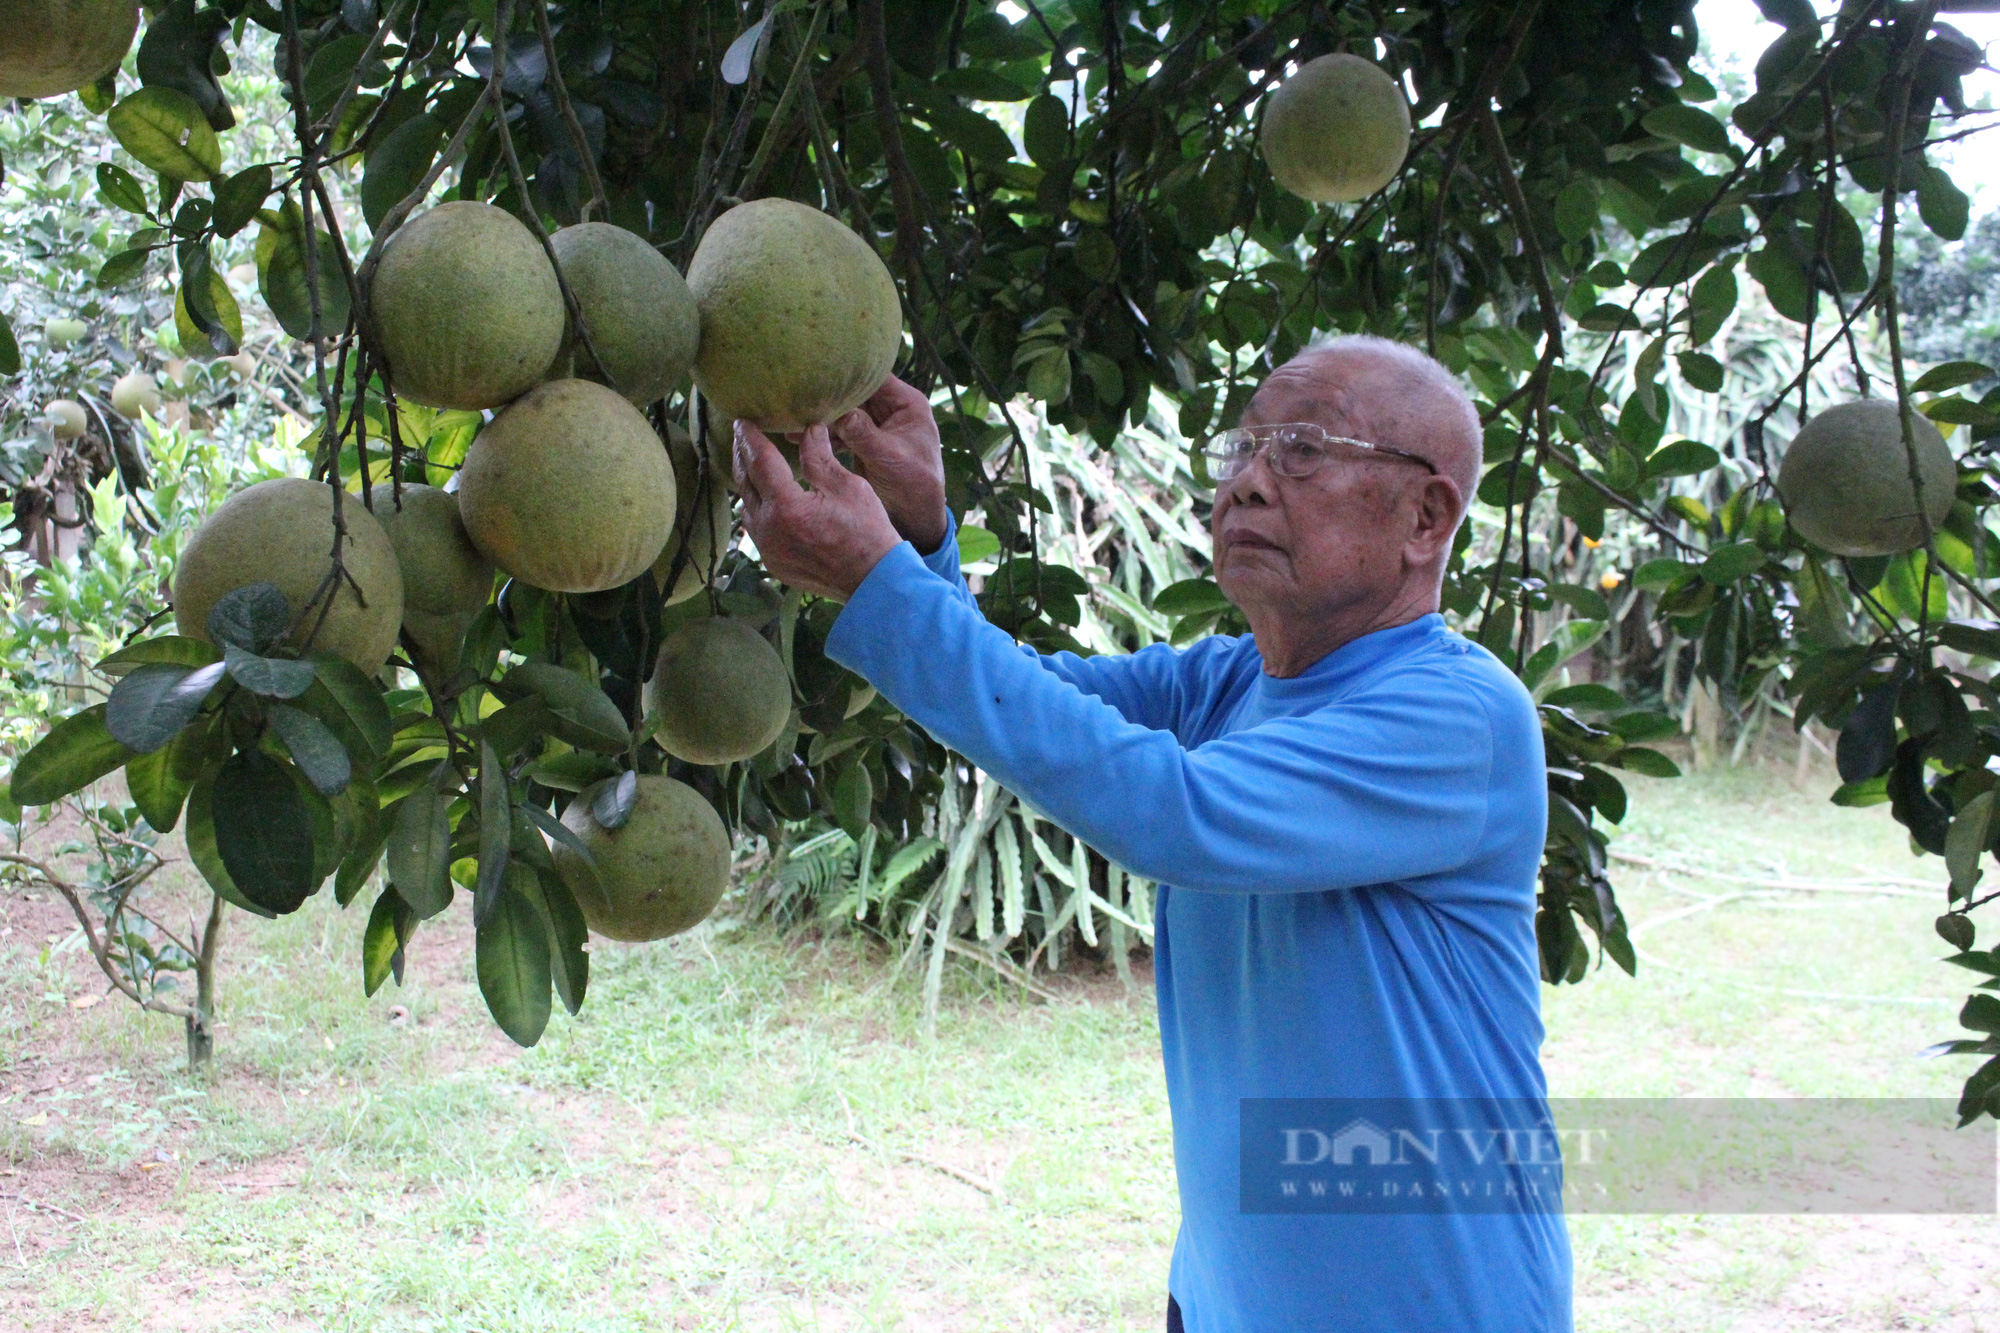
<point>1295,449</point>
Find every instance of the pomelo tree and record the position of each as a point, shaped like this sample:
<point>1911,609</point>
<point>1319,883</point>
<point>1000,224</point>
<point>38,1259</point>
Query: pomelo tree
<point>1079,202</point>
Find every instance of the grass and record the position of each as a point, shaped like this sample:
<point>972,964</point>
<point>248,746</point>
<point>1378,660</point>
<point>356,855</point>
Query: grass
<point>746,1133</point>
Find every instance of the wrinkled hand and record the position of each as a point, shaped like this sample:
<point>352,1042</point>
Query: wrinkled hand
<point>894,440</point>
<point>823,540</point>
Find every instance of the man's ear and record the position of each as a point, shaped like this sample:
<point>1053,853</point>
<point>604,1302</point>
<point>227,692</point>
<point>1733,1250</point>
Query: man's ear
<point>1439,507</point>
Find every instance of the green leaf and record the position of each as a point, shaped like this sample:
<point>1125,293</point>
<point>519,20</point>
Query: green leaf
<point>419,850</point>
<point>390,926</point>
<point>332,68</point>
<point>853,800</point>
<point>177,649</point>
<point>1713,298</point>
<point>1608,318</point>
<point>1588,697</point>
<point>1644,725</point>
<point>359,700</point>
<point>315,749</point>
<point>1866,792</point>
<point>1727,564</point>
<point>165,130</point>
<point>976,544</point>
<point>1952,375</point>
<point>1651,763</point>
<point>281,274</point>
<point>1682,458</point>
<point>511,956</point>
<point>1687,125</point>
<point>1577,210</point>
<point>585,715</point>
<point>1049,376</point>
<point>156,788</point>
<point>264,831</point>
<point>121,268</point>
<point>206,316</point>
<point>78,751</point>
<point>120,188</point>
<point>238,199</point>
<point>978,135</point>
<point>569,936</point>
<point>202,849</point>
<point>1570,638</point>
<point>251,617</point>
<point>572,770</point>
<point>10,350</point>
<point>1942,205</point>
<point>272,677</point>
<point>362,856</point>
<point>1190,597</point>
<point>1971,831</point>
<point>1783,280</point>
<point>180,50</point>
<point>1045,131</point>
<point>1981,638</point>
<point>1701,370</point>
<point>398,164</point>
<point>495,832</point>
<point>149,705</point>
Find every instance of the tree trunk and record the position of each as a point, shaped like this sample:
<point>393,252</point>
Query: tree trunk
<point>201,1023</point>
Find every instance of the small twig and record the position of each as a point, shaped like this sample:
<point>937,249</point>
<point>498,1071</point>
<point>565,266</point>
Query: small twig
<point>986,1186</point>
<point>596,201</point>
<point>1006,970</point>
<point>776,126</point>
<point>39,1206</point>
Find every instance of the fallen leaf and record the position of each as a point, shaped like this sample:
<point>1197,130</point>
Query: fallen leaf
<point>86,1001</point>
<point>38,1118</point>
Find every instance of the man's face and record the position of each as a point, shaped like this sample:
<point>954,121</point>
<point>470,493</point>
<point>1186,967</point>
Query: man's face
<point>1307,547</point>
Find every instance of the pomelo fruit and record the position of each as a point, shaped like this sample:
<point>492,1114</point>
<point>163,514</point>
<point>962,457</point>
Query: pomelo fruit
<point>721,690</point>
<point>60,332</point>
<point>1845,479</point>
<point>642,316</point>
<point>282,532</point>
<point>800,319</point>
<point>659,874</point>
<point>1337,130</point>
<point>443,572</point>
<point>706,527</point>
<point>57,46</point>
<point>66,419</point>
<point>466,307</point>
<point>568,489</point>
<point>133,393</point>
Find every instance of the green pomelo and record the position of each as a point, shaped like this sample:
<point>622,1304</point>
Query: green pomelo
<point>466,307</point>
<point>800,320</point>
<point>702,520</point>
<point>282,532</point>
<point>61,332</point>
<point>1337,130</point>
<point>133,393</point>
<point>66,419</point>
<point>435,640</point>
<point>659,874</point>
<point>721,690</point>
<point>568,489</point>
<point>443,572</point>
<point>641,315</point>
<point>1845,479</point>
<point>58,46</point>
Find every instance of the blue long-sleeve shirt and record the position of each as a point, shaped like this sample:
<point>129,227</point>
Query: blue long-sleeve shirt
<point>1346,863</point>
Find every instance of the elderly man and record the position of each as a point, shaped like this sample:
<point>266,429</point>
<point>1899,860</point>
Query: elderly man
<point>1344,810</point>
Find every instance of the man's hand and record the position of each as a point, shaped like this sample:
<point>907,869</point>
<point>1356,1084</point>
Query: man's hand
<point>894,438</point>
<point>823,540</point>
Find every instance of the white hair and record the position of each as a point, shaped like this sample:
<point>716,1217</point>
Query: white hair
<point>1437,412</point>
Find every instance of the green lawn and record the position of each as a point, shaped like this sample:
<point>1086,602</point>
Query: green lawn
<point>744,1132</point>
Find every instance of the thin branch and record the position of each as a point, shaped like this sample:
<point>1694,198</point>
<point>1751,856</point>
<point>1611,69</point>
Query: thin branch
<point>584,156</point>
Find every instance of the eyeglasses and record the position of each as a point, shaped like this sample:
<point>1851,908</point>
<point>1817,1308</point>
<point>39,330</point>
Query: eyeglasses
<point>1295,449</point>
